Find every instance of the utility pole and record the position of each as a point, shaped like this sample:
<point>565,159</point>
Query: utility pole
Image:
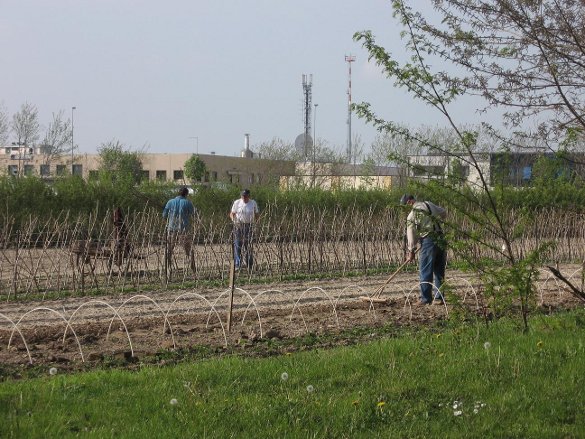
<point>314,144</point>
<point>349,59</point>
<point>72,143</point>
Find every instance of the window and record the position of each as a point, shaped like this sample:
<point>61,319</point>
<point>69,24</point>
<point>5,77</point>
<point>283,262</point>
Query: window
<point>161,175</point>
<point>77,170</point>
<point>213,175</point>
<point>178,174</point>
<point>61,169</point>
<point>206,177</point>
<point>45,170</point>
<point>29,170</point>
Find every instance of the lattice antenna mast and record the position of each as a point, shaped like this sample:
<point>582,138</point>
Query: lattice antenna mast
<point>349,59</point>
<point>307,104</point>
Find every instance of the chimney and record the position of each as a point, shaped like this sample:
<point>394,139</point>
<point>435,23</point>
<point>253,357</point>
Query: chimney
<point>246,142</point>
<point>246,152</point>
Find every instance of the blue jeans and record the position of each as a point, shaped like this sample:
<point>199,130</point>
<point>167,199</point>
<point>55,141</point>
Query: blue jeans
<point>432,262</point>
<point>243,243</point>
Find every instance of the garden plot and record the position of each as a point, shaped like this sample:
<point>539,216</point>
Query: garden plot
<point>75,331</point>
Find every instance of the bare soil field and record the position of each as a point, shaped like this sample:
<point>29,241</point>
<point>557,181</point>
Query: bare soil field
<point>81,332</point>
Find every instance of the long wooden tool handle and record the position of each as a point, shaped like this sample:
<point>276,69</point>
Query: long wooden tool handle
<point>404,264</point>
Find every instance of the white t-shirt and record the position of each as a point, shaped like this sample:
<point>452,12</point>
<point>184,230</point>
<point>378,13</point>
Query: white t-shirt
<point>244,212</point>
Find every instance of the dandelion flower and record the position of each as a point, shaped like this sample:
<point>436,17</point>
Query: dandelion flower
<point>310,389</point>
<point>53,371</point>
<point>356,402</point>
<point>487,345</point>
<point>539,344</point>
<point>284,376</point>
<point>174,401</point>
<point>381,404</point>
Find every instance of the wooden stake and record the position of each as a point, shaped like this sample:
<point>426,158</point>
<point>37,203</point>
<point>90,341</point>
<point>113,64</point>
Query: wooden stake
<point>232,287</point>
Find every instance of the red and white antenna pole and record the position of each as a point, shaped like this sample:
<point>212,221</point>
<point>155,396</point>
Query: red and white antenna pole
<point>349,59</point>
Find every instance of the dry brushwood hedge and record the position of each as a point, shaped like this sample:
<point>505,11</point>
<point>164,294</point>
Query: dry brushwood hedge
<point>75,254</point>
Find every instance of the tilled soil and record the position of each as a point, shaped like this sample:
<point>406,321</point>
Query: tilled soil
<point>76,332</point>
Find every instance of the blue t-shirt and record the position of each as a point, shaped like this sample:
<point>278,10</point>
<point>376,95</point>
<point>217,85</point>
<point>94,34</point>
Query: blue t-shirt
<point>178,212</point>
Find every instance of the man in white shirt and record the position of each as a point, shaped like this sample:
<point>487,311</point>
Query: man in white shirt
<point>424,225</point>
<point>243,214</point>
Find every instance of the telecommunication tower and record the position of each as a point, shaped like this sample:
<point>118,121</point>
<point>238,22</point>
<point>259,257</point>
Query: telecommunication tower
<point>307,104</point>
<point>349,59</point>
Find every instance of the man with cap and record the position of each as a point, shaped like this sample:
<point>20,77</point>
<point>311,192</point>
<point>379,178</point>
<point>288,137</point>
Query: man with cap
<point>243,214</point>
<point>424,225</point>
<point>178,212</point>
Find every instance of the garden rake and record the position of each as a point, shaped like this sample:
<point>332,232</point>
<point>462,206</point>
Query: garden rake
<point>376,296</point>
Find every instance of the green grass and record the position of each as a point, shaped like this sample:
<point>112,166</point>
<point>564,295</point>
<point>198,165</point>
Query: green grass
<point>522,385</point>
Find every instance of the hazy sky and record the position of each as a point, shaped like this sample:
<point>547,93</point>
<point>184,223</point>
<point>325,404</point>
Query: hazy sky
<point>156,73</point>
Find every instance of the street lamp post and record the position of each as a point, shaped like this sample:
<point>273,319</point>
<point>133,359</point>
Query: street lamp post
<point>72,143</point>
<point>196,144</point>
<point>314,143</point>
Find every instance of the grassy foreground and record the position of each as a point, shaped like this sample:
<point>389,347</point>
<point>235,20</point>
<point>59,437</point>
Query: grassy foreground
<point>468,382</point>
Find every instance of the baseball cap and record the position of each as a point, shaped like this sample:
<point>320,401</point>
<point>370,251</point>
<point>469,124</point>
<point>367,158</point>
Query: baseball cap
<point>245,192</point>
<point>406,198</point>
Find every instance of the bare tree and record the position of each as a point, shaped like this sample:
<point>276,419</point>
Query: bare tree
<point>57,140</point>
<point>4,125</point>
<point>526,57</point>
<point>278,149</point>
<point>25,125</point>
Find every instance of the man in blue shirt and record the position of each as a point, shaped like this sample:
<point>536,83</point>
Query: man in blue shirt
<point>178,212</point>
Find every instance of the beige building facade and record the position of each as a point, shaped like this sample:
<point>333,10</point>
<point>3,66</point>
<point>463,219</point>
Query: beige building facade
<point>24,161</point>
<point>331,176</point>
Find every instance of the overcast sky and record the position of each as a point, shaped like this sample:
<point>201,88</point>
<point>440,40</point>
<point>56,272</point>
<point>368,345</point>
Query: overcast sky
<point>156,73</point>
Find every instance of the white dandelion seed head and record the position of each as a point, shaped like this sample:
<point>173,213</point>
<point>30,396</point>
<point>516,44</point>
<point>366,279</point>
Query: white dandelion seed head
<point>475,411</point>
<point>487,345</point>
<point>310,389</point>
<point>284,376</point>
<point>457,413</point>
<point>53,371</point>
<point>174,401</point>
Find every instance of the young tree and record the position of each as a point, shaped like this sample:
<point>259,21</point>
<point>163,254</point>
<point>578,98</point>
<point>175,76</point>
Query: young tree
<point>522,55</point>
<point>119,164</point>
<point>25,125</point>
<point>58,137</point>
<point>195,168</point>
